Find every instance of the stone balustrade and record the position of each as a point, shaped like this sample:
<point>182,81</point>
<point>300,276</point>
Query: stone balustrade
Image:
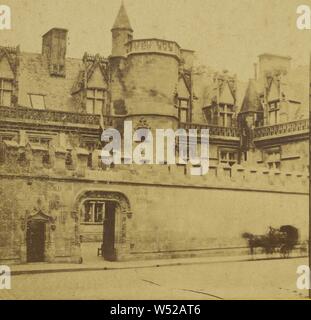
<point>282,129</point>
<point>229,132</point>
<point>153,46</point>
<point>22,114</point>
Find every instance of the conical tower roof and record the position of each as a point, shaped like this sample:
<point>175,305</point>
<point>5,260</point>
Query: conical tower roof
<point>251,102</point>
<point>122,20</point>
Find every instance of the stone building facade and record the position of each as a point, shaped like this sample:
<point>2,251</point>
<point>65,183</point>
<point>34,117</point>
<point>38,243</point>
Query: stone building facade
<point>56,193</point>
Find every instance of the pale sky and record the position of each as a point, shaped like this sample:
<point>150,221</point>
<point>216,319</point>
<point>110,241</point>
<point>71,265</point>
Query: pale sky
<point>226,34</point>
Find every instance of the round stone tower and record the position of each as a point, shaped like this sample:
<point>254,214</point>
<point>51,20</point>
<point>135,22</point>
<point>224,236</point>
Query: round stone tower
<point>151,80</point>
<point>144,77</point>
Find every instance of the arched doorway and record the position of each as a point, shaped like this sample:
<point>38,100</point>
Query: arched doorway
<point>36,237</point>
<point>108,213</point>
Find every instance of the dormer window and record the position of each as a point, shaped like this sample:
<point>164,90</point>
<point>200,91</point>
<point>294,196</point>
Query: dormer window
<point>6,91</point>
<point>226,113</point>
<point>95,101</point>
<point>274,110</point>
<point>183,110</point>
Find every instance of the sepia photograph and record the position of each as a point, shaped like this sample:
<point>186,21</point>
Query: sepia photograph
<point>154,150</point>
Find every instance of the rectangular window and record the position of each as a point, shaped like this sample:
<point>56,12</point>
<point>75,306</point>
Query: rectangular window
<point>43,141</point>
<point>90,106</point>
<point>183,115</point>
<point>88,212</point>
<point>93,211</point>
<point>273,158</point>
<point>6,137</point>
<point>183,108</point>
<point>274,109</point>
<point>226,115</point>
<point>6,91</point>
<point>98,212</point>
<point>222,121</point>
<point>229,120</point>
<point>95,101</point>
<point>229,157</point>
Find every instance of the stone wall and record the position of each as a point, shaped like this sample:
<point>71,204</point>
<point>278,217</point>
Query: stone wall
<point>163,212</point>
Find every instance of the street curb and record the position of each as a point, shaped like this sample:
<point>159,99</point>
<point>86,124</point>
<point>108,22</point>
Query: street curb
<point>62,270</point>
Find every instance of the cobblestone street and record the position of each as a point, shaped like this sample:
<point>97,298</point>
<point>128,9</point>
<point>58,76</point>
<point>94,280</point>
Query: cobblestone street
<point>268,279</point>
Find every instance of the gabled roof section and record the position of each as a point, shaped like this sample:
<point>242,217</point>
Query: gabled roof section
<point>94,73</point>
<point>5,68</point>
<point>98,78</point>
<point>97,66</point>
<point>122,20</point>
<point>184,86</point>
<point>251,102</point>
<point>273,91</point>
<point>8,62</point>
<point>40,216</point>
<point>226,94</point>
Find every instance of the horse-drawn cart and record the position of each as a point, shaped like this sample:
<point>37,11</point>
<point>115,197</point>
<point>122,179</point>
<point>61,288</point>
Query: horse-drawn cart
<point>282,240</point>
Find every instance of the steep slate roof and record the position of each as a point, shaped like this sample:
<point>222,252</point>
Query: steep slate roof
<point>251,102</point>
<point>122,21</point>
<point>35,78</point>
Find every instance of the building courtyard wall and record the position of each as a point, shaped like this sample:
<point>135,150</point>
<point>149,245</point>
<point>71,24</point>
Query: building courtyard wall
<point>158,219</point>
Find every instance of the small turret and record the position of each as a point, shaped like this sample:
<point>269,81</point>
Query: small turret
<point>122,33</point>
<point>251,115</point>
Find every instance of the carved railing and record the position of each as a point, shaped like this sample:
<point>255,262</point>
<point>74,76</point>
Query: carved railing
<point>282,129</point>
<point>233,132</point>
<point>153,45</point>
<point>21,113</point>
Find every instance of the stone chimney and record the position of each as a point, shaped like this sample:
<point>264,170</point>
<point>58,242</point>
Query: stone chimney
<point>271,64</point>
<point>54,45</point>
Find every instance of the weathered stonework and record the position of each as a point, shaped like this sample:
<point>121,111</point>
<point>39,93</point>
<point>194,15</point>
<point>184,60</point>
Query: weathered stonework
<point>50,157</point>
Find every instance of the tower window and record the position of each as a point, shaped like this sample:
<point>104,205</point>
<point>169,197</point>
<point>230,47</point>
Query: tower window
<point>6,91</point>
<point>95,101</point>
